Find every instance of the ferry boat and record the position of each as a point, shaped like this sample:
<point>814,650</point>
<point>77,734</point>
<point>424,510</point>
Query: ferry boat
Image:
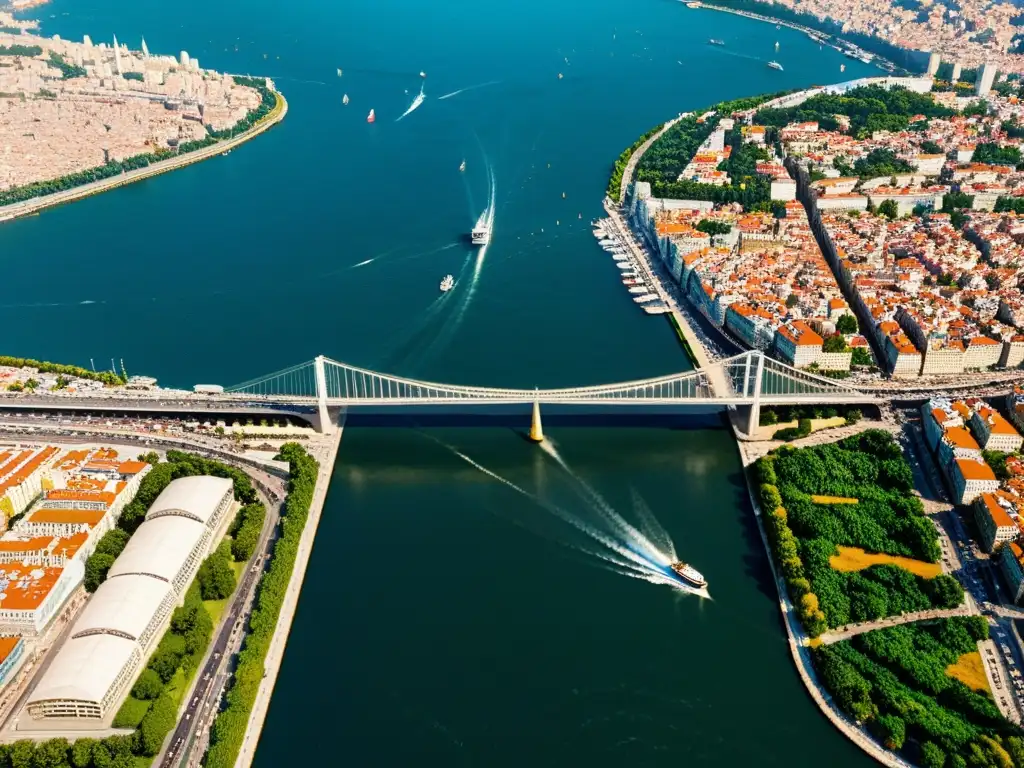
<point>481,234</point>
<point>462,166</point>
<point>775,65</point>
<point>344,99</point>
<point>713,41</point>
<point>689,574</point>
<point>447,283</point>
<point>371,117</point>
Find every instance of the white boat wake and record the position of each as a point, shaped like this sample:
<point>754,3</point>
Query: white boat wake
<point>416,102</point>
<point>652,529</point>
<point>467,88</point>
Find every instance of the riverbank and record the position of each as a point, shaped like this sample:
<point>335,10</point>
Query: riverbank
<point>37,204</point>
<point>326,456</point>
<point>799,642</point>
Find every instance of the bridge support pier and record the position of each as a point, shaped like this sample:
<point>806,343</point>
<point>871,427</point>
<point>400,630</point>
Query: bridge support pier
<point>536,429</point>
<point>755,407</point>
<point>326,426</point>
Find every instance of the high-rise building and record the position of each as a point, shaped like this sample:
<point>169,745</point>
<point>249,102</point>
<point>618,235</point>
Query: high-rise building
<point>957,67</point>
<point>986,77</point>
<point>145,50</point>
<point>933,63</point>
<point>184,59</point>
<point>87,41</point>
<point>117,57</point>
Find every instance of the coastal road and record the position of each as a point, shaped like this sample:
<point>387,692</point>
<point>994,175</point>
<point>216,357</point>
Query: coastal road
<point>204,698</point>
<point>894,621</point>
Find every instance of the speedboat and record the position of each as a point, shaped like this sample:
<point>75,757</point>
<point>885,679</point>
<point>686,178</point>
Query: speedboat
<point>713,41</point>
<point>481,234</point>
<point>344,99</point>
<point>775,65</point>
<point>371,117</point>
<point>447,283</point>
<point>689,574</point>
<point>462,165</point>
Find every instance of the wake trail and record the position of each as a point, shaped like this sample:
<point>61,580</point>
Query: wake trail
<point>651,554</point>
<point>444,334</point>
<point>416,102</point>
<point>632,559</point>
<point>468,88</point>
<point>651,527</point>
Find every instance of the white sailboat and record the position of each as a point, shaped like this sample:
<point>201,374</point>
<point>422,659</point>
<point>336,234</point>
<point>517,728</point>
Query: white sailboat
<point>339,71</point>
<point>344,99</point>
<point>462,166</point>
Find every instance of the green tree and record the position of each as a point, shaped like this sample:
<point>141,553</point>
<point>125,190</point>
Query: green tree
<point>932,755</point>
<point>889,208</point>
<point>96,568</point>
<point>713,227</point>
<point>216,578</point>
<point>151,457</point>
<point>21,753</point>
<point>929,147</point>
<point>148,686</point>
<point>846,324</point>
<point>155,726</point>
<point>792,300</point>
<point>81,753</point>
<point>834,343</point>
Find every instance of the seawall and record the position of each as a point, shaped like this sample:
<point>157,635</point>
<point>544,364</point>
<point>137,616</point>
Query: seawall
<point>36,204</point>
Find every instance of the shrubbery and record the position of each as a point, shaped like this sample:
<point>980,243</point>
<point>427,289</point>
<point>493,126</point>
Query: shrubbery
<point>886,518</point>
<point>216,579</point>
<point>894,680</point>
<point>229,728</point>
<point>245,531</point>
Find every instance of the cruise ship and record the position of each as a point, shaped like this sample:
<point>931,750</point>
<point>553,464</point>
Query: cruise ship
<point>775,65</point>
<point>481,234</point>
<point>447,283</point>
<point>689,574</point>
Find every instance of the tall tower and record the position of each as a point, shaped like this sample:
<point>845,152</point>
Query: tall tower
<point>145,50</point>
<point>986,77</point>
<point>87,41</point>
<point>117,57</point>
<point>933,64</point>
<point>957,68</point>
<point>184,59</point>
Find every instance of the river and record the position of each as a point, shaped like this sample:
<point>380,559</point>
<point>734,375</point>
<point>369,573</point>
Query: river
<point>452,615</point>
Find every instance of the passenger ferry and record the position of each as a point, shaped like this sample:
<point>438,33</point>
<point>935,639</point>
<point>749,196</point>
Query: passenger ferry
<point>481,234</point>
<point>447,283</point>
<point>689,574</point>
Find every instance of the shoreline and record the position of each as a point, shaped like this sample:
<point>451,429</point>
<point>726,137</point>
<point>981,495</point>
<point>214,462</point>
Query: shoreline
<point>279,642</point>
<point>37,204</point>
<point>830,37</point>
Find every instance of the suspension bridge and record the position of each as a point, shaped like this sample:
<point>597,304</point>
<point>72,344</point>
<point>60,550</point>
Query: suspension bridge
<point>748,379</point>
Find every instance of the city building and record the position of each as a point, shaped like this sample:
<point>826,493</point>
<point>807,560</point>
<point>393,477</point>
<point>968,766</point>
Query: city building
<point>109,643</point>
<point>1011,563</point>
<point>31,596</point>
<point>994,432</point>
<point>21,478</point>
<point>12,651</point>
<point>934,60</point>
<point>997,517</point>
<point>986,77</point>
<point>970,479</point>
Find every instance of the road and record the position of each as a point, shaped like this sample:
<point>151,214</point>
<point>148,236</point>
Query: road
<point>894,621</point>
<point>627,174</point>
<point>208,687</point>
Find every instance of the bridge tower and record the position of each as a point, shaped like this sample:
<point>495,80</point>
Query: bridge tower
<point>321,395</point>
<point>755,406</point>
<point>536,430</point>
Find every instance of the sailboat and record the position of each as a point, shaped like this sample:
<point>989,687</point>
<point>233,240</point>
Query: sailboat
<point>371,117</point>
<point>462,165</point>
<point>423,74</point>
<point>344,99</point>
<point>776,46</point>
<point>339,71</point>
<point>842,67</point>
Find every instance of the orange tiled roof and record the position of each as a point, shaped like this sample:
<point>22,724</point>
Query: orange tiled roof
<point>27,587</point>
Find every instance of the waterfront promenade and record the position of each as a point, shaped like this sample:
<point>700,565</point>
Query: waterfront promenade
<point>326,454</point>
<point>627,174</point>
<point>36,204</point>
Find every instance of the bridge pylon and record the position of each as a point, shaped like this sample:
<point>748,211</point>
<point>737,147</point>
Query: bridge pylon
<point>321,396</point>
<point>536,429</point>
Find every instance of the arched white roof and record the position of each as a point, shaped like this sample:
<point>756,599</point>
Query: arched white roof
<point>159,548</point>
<point>84,669</point>
<point>122,606</point>
<point>195,497</point>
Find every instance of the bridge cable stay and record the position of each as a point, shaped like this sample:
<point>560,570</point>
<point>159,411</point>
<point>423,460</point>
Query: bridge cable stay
<point>295,381</point>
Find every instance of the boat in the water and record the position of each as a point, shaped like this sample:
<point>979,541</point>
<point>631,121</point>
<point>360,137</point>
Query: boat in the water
<point>371,117</point>
<point>713,41</point>
<point>344,99</point>
<point>639,289</point>
<point>559,75</point>
<point>657,308</point>
<point>447,283</point>
<point>842,67</point>
<point>689,574</point>
<point>339,68</point>
<point>481,234</point>
<point>623,265</point>
<point>462,165</point>
<point>423,74</point>
<point>645,298</point>
<point>775,65</point>
<point>620,257</point>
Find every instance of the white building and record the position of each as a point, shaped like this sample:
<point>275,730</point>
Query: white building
<point>994,432</point>
<point>933,63</point>
<point>127,615</point>
<point>31,596</point>
<point>986,77</point>
<point>971,478</point>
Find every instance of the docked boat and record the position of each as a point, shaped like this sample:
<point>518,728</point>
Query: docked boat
<point>693,5</point>
<point>462,165</point>
<point>339,68</point>
<point>620,257</point>
<point>775,65</point>
<point>609,241</point>
<point>689,574</point>
<point>632,281</point>
<point>623,265</point>
<point>481,234</point>
<point>713,41</point>
<point>371,117</point>
<point>639,289</point>
<point>447,283</point>
<point>344,99</point>
<point>645,298</point>
<point>658,308</point>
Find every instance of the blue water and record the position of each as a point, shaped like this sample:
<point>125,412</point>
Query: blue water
<point>245,264</point>
<point>447,618</point>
